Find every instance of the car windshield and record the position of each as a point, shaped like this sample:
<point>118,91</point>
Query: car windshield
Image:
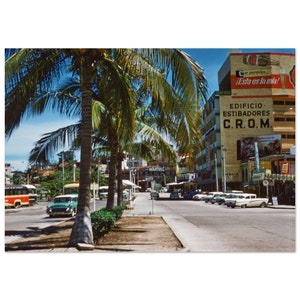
<point>232,196</point>
<point>65,199</point>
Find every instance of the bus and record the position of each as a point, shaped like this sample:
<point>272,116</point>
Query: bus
<point>103,192</point>
<point>16,196</point>
<point>32,191</point>
<point>73,188</point>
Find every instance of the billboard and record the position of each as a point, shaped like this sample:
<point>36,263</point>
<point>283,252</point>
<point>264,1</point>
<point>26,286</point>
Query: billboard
<point>267,145</point>
<point>284,167</point>
<point>262,74</point>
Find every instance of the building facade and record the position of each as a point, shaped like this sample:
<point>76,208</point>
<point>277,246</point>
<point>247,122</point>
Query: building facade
<point>249,126</point>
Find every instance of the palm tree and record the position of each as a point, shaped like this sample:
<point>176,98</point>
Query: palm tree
<point>171,80</point>
<point>147,137</point>
<point>29,72</point>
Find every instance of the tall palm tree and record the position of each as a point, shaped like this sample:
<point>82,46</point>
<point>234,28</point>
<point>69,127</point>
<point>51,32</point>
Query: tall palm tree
<point>171,80</point>
<point>29,72</point>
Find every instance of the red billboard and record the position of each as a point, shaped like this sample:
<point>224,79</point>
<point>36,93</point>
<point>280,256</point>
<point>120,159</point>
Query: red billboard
<point>263,71</point>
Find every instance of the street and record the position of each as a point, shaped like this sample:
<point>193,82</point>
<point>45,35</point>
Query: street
<point>28,220</point>
<point>223,229</point>
<point>243,230</point>
<point>211,227</point>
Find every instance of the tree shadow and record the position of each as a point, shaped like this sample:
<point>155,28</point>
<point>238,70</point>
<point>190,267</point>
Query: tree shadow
<point>34,238</point>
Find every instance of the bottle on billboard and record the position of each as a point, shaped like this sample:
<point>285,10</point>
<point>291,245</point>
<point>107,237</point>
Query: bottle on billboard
<point>259,60</point>
<point>282,73</point>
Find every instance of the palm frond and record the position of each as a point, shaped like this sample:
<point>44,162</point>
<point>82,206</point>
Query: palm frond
<point>65,100</point>
<point>27,73</point>
<point>52,142</point>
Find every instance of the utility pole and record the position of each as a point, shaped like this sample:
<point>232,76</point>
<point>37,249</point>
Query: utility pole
<point>224,169</point>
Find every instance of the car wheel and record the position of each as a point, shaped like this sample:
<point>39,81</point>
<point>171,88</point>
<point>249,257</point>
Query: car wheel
<point>17,204</point>
<point>263,204</point>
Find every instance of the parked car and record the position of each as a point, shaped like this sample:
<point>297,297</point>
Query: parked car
<point>218,198</point>
<point>63,205</point>
<point>174,195</point>
<point>199,196</point>
<point>154,195</point>
<point>210,195</point>
<point>163,190</point>
<point>189,195</point>
<point>230,197</point>
<point>246,200</point>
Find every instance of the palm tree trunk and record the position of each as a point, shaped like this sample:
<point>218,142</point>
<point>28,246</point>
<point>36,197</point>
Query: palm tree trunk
<point>82,229</point>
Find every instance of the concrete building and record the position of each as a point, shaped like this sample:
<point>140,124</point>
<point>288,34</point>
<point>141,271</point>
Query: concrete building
<point>249,126</point>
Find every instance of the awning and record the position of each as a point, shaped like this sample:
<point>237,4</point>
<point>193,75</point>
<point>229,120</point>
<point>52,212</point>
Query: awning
<point>132,184</point>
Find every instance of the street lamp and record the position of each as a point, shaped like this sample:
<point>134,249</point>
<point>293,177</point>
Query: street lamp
<point>224,168</point>
<point>216,170</point>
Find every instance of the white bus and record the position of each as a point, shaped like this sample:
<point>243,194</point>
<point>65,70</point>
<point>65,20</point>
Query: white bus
<point>73,188</point>
<point>32,191</point>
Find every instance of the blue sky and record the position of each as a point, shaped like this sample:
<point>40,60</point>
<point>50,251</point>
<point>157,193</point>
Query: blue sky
<point>18,147</point>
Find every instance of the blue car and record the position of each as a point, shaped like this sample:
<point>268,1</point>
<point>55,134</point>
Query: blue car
<point>63,205</point>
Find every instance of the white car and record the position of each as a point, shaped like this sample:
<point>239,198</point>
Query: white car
<point>246,200</point>
<point>199,196</point>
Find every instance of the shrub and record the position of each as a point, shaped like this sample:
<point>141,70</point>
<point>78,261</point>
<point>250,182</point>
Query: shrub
<point>104,219</point>
<point>118,210</point>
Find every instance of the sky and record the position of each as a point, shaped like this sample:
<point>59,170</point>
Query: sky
<point>19,145</point>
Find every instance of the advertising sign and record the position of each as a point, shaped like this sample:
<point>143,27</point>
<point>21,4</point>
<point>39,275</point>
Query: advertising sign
<point>262,73</point>
<point>274,201</point>
<point>267,145</point>
<point>284,167</point>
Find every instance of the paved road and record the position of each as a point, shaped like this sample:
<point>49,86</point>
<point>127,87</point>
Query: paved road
<point>27,220</point>
<point>204,227</point>
<point>201,227</point>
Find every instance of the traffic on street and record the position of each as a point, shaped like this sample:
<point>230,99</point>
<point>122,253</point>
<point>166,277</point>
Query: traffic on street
<point>28,220</point>
<point>215,228</point>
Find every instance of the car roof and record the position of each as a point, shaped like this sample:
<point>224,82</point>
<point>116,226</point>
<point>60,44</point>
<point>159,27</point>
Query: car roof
<point>67,195</point>
<point>242,195</point>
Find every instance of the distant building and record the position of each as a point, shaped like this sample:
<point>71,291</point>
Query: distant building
<point>8,173</point>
